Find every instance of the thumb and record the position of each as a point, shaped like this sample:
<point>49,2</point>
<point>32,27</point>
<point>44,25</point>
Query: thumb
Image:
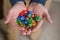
<point>6,21</point>
<point>8,18</point>
<point>47,16</point>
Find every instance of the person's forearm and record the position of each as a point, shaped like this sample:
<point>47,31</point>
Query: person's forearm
<point>14,1</point>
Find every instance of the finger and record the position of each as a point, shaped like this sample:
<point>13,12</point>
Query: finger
<point>17,26</point>
<point>29,32</point>
<point>47,16</point>
<point>38,26</point>
<point>6,21</point>
<point>40,23</point>
<point>8,18</point>
<point>23,32</point>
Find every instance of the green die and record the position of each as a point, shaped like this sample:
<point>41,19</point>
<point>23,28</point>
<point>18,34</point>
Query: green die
<point>30,25</point>
<point>29,20</point>
<point>38,18</point>
<point>18,22</point>
<point>29,15</point>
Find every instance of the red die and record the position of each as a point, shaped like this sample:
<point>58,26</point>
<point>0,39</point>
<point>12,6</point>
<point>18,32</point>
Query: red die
<point>23,13</point>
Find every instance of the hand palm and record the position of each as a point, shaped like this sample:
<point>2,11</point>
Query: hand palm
<point>43,13</point>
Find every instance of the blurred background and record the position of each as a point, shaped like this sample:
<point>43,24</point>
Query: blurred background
<point>49,31</point>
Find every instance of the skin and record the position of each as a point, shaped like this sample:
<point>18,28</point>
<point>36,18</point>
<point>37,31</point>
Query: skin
<point>43,13</point>
<point>13,14</point>
<point>36,8</point>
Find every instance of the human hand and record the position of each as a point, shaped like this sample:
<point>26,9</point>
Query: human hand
<point>43,13</point>
<point>13,14</point>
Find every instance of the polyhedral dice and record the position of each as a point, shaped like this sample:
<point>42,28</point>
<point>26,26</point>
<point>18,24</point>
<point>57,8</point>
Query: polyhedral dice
<point>28,19</point>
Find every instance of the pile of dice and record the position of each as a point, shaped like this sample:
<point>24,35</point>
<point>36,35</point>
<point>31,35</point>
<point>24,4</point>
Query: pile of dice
<point>27,19</point>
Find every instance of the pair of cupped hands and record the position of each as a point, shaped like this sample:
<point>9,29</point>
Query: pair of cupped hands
<point>36,8</point>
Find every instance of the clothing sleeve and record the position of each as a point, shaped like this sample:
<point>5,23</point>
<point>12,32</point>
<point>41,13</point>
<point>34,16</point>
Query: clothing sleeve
<point>39,1</point>
<point>14,1</point>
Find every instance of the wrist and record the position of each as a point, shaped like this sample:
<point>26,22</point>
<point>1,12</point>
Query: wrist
<point>20,3</point>
<point>43,2</point>
<point>35,4</point>
<point>16,1</point>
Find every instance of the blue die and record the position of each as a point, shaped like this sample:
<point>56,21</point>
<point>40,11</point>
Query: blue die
<point>22,18</point>
<point>25,22</point>
<point>18,18</point>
